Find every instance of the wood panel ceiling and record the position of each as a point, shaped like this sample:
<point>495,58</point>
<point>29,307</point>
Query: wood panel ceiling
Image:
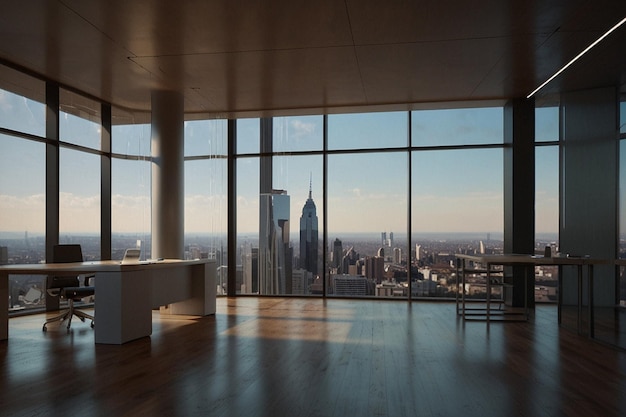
<point>270,57</point>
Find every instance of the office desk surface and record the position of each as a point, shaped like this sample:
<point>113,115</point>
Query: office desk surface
<point>93,266</point>
<point>126,294</point>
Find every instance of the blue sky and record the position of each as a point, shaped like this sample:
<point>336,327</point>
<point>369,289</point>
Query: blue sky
<point>453,191</point>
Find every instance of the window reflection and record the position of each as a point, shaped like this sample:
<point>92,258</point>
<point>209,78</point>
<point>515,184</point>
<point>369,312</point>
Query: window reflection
<point>79,201</point>
<point>79,120</point>
<point>22,100</point>
<point>206,138</point>
<point>130,207</point>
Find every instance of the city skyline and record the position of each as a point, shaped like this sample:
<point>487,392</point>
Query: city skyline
<point>366,192</point>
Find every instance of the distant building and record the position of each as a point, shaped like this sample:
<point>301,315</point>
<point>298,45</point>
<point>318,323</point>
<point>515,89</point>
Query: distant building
<point>274,251</point>
<point>350,258</point>
<point>250,270</point>
<point>390,289</point>
<point>337,254</point>
<point>375,268</point>
<point>397,255</point>
<point>350,285</point>
<point>301,282</point>
<point>309,236</point>
<point>423,288</point>
<point>4,255</point>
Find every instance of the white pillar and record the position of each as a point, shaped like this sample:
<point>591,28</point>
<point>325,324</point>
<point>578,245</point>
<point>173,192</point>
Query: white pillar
<point>168,185</point>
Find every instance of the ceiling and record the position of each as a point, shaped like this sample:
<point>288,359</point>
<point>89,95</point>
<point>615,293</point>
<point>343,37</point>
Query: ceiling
<point>238,58</point>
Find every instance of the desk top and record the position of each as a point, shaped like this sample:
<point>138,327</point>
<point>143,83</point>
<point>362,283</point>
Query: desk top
<point>521,259</point>
<point>94,266</point>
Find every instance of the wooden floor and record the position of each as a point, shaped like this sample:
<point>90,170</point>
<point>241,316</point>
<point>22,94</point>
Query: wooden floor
<point>312,357</point>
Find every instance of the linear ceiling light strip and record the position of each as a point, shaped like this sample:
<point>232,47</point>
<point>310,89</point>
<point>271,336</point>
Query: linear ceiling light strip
<point>556,74</point>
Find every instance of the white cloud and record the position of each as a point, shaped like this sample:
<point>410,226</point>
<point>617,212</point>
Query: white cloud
<point>301,129</point>
<point>20,213</point>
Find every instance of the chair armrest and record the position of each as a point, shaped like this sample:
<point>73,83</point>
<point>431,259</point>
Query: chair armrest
<point>88,278</point>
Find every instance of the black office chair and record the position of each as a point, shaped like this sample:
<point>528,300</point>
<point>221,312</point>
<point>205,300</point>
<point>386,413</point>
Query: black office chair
<point>68,287</point>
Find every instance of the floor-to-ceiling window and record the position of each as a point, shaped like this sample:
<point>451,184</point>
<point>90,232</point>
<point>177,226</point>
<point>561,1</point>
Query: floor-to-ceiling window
<point>248,166</point>
<point>206,218</point>
<point>622,197</point>
<point>130,183</point>
<point>22,184</point>
<point>367,177</point>
<point>80,124</point>
<point>456,160</point>
<point>297,180</point>
<point>546,199</point>
<point>456,194</point>
<point>353,168</point>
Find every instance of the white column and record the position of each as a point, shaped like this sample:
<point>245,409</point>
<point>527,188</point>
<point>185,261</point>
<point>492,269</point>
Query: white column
<point>167,174</point>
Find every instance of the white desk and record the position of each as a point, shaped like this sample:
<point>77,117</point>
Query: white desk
<point>488,261</point>
<point>126,294</point>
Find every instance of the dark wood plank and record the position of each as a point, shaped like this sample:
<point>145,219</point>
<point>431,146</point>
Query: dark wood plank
<point>314,357</point>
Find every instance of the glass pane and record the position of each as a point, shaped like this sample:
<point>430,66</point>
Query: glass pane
<point>130,207</point>
<point>79,201</point>
<point>299,253</point>
<point>129,135</point>
<point>248,136</point>
<point>457,203</point>
<point>300,133</point>
<point>368,130</point>
<point>248,225</point>
<point>22,102</point>
<point>79,120</point>
<point>546,219</point>
<point>206,137</point>
<point>622,219</point>
<point>475,126</point>
<point>206,210</point>
<point>367,214</point>
<point>622,116</point>
<point>23,218</point>
<point>546,124</point>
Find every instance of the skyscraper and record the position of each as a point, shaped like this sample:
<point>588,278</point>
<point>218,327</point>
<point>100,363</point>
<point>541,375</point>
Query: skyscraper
<point>250,262</point>
<point>337,254</point>
<point>309,235</point>
<point>274,251</point>
<point>397,255</point>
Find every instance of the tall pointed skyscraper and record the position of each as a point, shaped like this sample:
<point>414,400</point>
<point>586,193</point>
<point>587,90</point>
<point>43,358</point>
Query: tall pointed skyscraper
<point>309,235</point>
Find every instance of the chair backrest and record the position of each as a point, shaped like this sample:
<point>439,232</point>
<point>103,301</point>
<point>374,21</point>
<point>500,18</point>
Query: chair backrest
<point>64,254</point>
<point>67,253</point>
